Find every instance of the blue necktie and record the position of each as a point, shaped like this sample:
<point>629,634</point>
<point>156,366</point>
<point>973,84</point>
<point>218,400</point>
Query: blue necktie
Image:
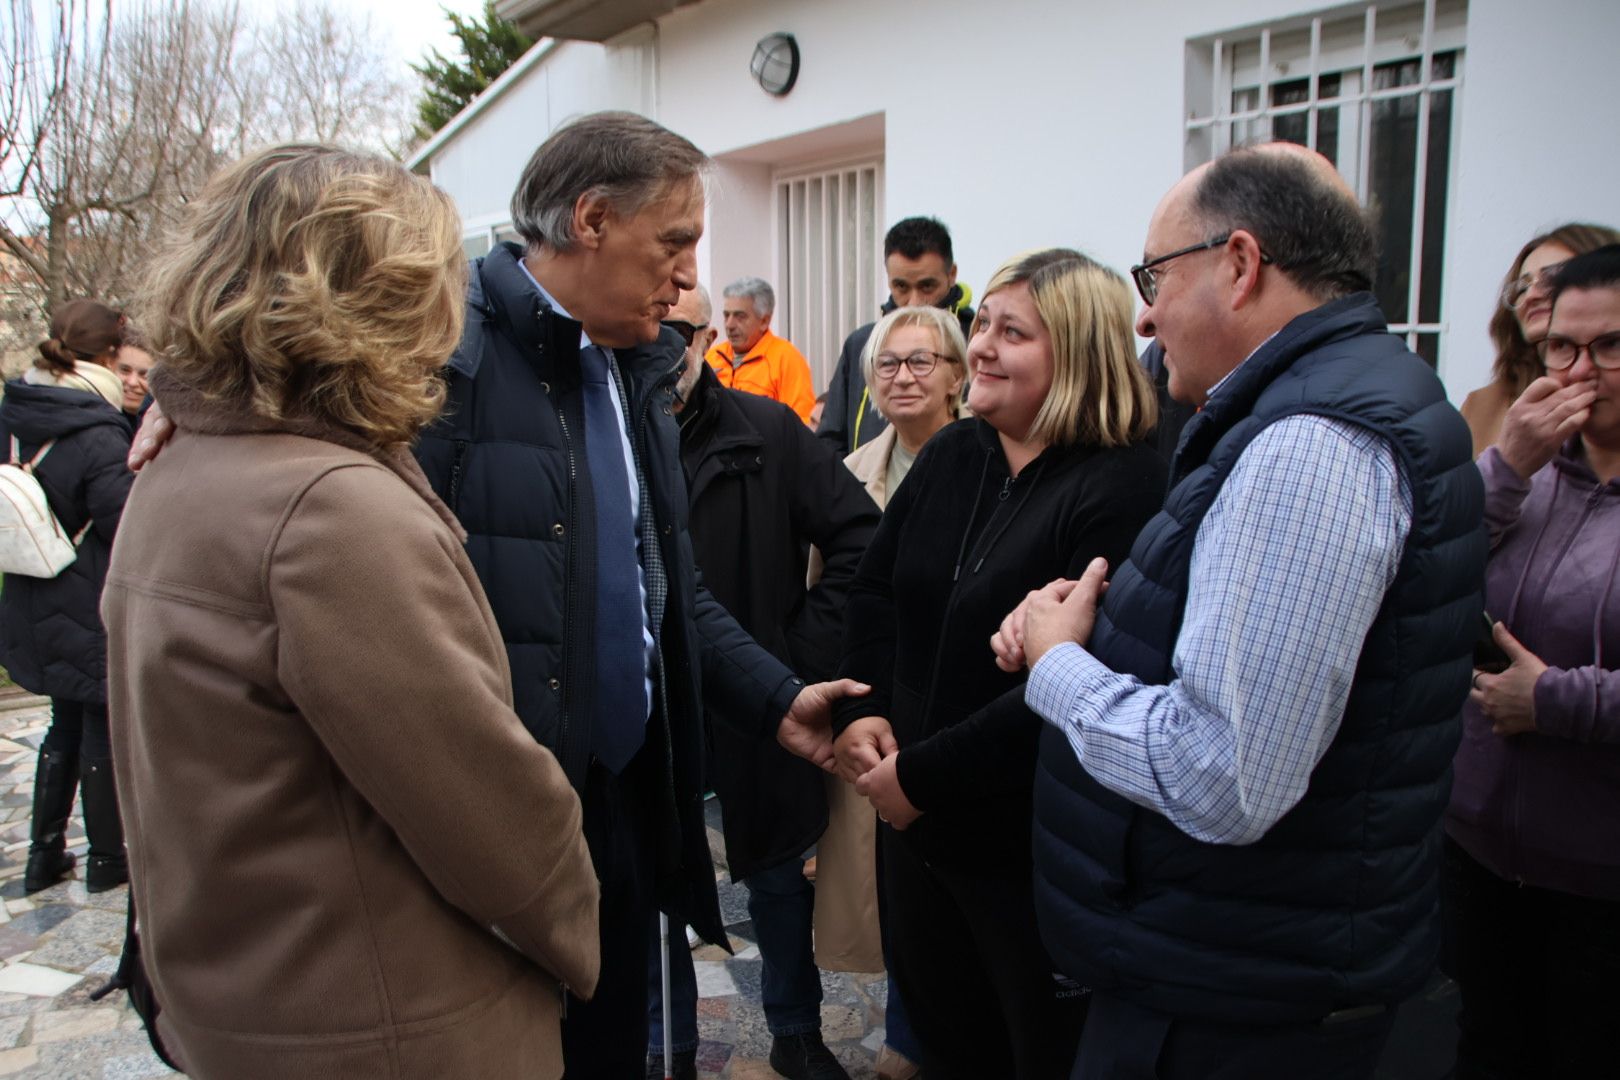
<point>620,722</point>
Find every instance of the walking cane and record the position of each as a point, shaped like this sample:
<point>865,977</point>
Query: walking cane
<point>663,959</point>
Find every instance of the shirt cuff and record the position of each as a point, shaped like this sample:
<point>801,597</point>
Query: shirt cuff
<point>1061,680</point>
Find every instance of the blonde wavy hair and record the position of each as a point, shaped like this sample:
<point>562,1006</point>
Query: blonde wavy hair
<point>1100,394</point>
<point>314,283</point>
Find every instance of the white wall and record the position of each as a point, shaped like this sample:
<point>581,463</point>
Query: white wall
<point>1027,124</point>
<point>1540,147</point>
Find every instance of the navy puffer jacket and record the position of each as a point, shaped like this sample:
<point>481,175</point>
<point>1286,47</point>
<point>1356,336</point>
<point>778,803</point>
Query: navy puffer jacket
<point>508,456</point>
<point>51,638</point>
<point>1335,906</point>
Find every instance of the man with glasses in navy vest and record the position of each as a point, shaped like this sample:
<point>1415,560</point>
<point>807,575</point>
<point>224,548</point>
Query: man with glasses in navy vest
<point>1250,733</point>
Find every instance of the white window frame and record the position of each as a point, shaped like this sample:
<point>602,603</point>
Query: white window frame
<point>489,235</point>
<point>1211,120</point>
<point>817,305</point>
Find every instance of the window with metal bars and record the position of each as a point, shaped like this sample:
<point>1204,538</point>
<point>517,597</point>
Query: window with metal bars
<point>829,258</point>
<point>1373,89</point>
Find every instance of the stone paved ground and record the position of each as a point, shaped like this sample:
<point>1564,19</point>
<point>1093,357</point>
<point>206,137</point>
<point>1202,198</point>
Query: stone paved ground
<point>58,945</point>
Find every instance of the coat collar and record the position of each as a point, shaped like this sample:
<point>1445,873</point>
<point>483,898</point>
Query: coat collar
<point>501,295</point>
<point>1235,398</point>
<point>191,409</point>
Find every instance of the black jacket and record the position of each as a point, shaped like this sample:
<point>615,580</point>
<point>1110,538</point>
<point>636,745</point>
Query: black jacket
<point>508,456</point>
<point>762,488</point>
<point>849,407</point>
<point>51,638</point>
<point>960,544</point>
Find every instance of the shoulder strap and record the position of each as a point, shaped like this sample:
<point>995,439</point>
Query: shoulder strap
<point>33,463</point>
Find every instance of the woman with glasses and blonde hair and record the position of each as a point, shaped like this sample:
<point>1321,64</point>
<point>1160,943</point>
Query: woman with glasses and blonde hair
<point>349,856</point>
<point>915,365</point>
<point>1520,322</point>
<point>1050,473</point>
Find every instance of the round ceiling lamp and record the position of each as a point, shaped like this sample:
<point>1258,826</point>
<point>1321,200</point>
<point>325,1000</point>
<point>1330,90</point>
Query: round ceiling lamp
<point>775,65</point>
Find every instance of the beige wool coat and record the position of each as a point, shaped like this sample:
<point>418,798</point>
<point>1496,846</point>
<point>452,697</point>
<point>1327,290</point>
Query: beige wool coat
<point>331,807</point>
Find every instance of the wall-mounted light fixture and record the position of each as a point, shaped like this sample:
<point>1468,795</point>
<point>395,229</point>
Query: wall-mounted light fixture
<point>775,65</point>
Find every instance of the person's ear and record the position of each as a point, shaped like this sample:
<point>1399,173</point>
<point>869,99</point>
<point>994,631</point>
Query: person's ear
<point>708,335</point>
<point>591,214</point>
<point>1243,263</point>
<point>950,275</point>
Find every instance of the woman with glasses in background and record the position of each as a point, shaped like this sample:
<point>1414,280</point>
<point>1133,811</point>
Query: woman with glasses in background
<point>1051,473</point>
<point>1531,880</point>
<point>1520,321</point>
<point>915,363</point>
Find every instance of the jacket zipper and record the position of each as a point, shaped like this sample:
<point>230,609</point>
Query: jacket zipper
<point>456,461</point>
<point>950,607</point>
<point>570,591</point>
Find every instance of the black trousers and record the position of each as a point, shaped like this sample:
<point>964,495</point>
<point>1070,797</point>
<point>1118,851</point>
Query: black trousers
<point>977,983</point>
<point>1127,1042</point>
<point>79,729</point>
<point>606,1038</point>
<point>1538,972</point>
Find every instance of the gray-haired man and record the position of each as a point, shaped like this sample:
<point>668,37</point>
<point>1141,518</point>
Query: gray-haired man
<point>753,359</point>
<point>559,453</point>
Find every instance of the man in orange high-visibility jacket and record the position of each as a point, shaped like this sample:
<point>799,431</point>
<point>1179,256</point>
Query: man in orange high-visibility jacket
<point>753,359</point>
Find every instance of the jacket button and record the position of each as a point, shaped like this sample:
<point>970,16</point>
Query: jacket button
<point>668,411</point>
<point>554,684</point>
<point>758,460</point>
<point>668,529</point>
<point>558,530</point>
<point>545,387</point>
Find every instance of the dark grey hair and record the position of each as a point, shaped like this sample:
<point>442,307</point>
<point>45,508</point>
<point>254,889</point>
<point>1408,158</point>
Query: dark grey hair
<point>620,156</point>
<point>1313,230</point>
<point>756,289</point>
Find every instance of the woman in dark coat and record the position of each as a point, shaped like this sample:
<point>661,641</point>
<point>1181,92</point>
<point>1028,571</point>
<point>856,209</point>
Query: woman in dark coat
<point>1052,472</point>
<point>51,637</point>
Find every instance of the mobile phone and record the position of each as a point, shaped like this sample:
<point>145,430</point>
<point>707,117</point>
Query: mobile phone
<point>1488,655</point>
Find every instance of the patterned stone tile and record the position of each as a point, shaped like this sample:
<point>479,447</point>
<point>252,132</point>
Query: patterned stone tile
<point>36,981</point>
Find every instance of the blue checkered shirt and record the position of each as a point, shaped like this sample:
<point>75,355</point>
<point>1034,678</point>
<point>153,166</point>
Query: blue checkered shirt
<point>1289,568</point>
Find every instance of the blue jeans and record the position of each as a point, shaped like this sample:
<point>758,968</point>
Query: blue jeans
<point>781,903</point>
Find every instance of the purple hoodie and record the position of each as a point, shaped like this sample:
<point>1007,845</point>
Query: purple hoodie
<point>1544,807</point>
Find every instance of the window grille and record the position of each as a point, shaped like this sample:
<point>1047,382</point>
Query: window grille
<point>829,270</point>
<point>1375,90</point>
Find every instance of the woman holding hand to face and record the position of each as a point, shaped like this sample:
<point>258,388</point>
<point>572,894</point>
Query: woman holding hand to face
<point>1520,322</point>
<point>1531,884</point>
<point>1050,474</point>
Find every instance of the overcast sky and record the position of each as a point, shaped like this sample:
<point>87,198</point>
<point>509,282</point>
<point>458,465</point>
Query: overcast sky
<point>414,25</point>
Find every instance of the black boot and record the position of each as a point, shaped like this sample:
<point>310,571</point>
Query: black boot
<point>49,861</point>
<point>106,868</point>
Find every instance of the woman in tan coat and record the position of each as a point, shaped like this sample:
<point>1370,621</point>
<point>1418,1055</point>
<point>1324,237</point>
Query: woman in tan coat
<point>349,857</point>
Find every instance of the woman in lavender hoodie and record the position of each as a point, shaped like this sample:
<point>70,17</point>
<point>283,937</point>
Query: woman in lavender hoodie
<point>1531,892</point>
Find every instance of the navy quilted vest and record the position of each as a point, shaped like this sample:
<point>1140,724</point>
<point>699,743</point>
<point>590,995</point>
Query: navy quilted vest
<point>1336,905</point>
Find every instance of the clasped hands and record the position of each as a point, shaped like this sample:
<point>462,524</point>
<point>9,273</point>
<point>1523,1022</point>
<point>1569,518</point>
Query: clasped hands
<point>1508,700</point>
<point>867,755</point>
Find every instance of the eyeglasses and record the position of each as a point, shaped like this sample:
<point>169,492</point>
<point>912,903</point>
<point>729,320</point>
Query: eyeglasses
<point>921,362</point>
<point>1560,353</point>
<point>1513,293</point>
<point>687,330</point>
<point>1147,281</point>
